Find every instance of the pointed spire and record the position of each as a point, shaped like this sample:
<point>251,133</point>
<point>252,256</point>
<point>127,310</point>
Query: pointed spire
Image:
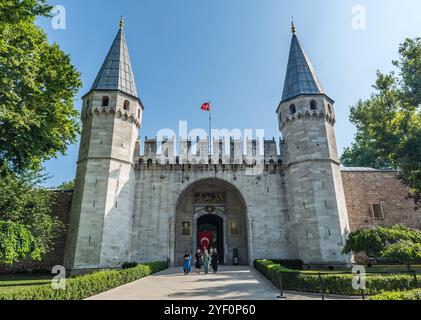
<point>300,77</point>
<point>116,72</point>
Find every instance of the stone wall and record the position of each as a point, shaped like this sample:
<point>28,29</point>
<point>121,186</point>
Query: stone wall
<point>61,209</point>
<point>363,188</point>
<point>316,204</point>
<point>102,207</point>
<point>158,191</point>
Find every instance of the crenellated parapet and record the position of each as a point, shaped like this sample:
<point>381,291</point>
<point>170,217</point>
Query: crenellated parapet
<point>236,152</point>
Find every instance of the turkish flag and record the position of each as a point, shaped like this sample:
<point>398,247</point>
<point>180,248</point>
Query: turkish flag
<point>205,106</point>
<point>205,239</point>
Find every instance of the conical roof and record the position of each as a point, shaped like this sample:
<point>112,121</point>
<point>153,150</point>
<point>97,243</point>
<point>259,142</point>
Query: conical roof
<point>300,79</point>
<point>116,72</point>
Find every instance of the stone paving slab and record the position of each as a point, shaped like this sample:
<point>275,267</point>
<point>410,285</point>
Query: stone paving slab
<point>231,283</point>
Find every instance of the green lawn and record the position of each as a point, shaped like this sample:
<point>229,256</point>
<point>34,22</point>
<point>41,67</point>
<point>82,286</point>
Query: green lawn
<point>16,281</point>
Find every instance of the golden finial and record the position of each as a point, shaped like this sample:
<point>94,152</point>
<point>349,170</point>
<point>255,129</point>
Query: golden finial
<point>293,29</point>
<point>122,22</point>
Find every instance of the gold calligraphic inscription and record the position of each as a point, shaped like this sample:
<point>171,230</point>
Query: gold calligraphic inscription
<point>234,228</point>
<point>186,229</point>
<point>209,197</point>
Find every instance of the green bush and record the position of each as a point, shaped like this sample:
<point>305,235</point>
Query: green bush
<point>398,295</point>
<point>85,286</point>
<point>332,283</point>
<point>291,264</point>
<point>129,265</point>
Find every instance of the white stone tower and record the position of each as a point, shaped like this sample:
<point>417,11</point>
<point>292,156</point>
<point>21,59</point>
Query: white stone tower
<point>315,195</point>
<point>102,207</point>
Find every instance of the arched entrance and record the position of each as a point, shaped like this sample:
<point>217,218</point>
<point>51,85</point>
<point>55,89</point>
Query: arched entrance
<point>215,211</point>
<point>210,234</point>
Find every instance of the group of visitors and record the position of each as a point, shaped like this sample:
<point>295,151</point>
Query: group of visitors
<point>203,258</point>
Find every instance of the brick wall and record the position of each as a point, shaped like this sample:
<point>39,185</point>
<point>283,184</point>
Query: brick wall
<point>362,188</point>
<point>61,209</point>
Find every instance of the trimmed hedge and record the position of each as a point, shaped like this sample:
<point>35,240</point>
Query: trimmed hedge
<point>291,264</point>
<point>399,295</point>
<point>332,283</point>
<point>129,265</point>
<point>85,286</point>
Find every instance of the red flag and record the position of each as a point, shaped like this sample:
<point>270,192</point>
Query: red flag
<point>205,240</point>
<point>205,106</point>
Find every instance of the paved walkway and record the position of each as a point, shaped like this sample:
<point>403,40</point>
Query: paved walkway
<point>231,283</point>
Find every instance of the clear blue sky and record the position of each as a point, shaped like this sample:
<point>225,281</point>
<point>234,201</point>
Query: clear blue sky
<point>234,52</point>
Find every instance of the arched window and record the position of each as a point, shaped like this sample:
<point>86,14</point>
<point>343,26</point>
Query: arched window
<point>292,109</point>
<point>329,108</point>
<point>138,113</point>
<point>127,105</point>
<point>105,101</point>
<point>313,105</point>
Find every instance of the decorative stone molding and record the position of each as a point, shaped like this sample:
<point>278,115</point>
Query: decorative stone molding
<point>119,114</point>
<point>308,115</point>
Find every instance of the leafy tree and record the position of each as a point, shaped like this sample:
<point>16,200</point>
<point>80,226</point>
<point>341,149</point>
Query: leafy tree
<point>404,252</point>
<point>389,123</point>
<point>16,242</point>
<point>397,243</point>
<point>67,185</point>
<point>13,11</point>
<point>24,204</point>
<point>38,85</point>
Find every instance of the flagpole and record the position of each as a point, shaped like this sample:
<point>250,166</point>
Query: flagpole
<point>210,128</point>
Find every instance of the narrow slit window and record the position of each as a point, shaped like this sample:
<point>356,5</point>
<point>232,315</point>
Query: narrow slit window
<point>329,108</point>
<point>105,101</point>
<point>378,211</point>
<point>313,105</point>
<point>127,105</point>
<point>292,109</point>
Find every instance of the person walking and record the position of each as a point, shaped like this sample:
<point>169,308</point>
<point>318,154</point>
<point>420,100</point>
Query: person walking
<point>215,261</point>
<point>198,261</point>
<point>187,263</point>
<point>206,261</point>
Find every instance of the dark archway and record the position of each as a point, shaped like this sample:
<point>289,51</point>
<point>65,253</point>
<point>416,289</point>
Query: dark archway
<point>214,226</point>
